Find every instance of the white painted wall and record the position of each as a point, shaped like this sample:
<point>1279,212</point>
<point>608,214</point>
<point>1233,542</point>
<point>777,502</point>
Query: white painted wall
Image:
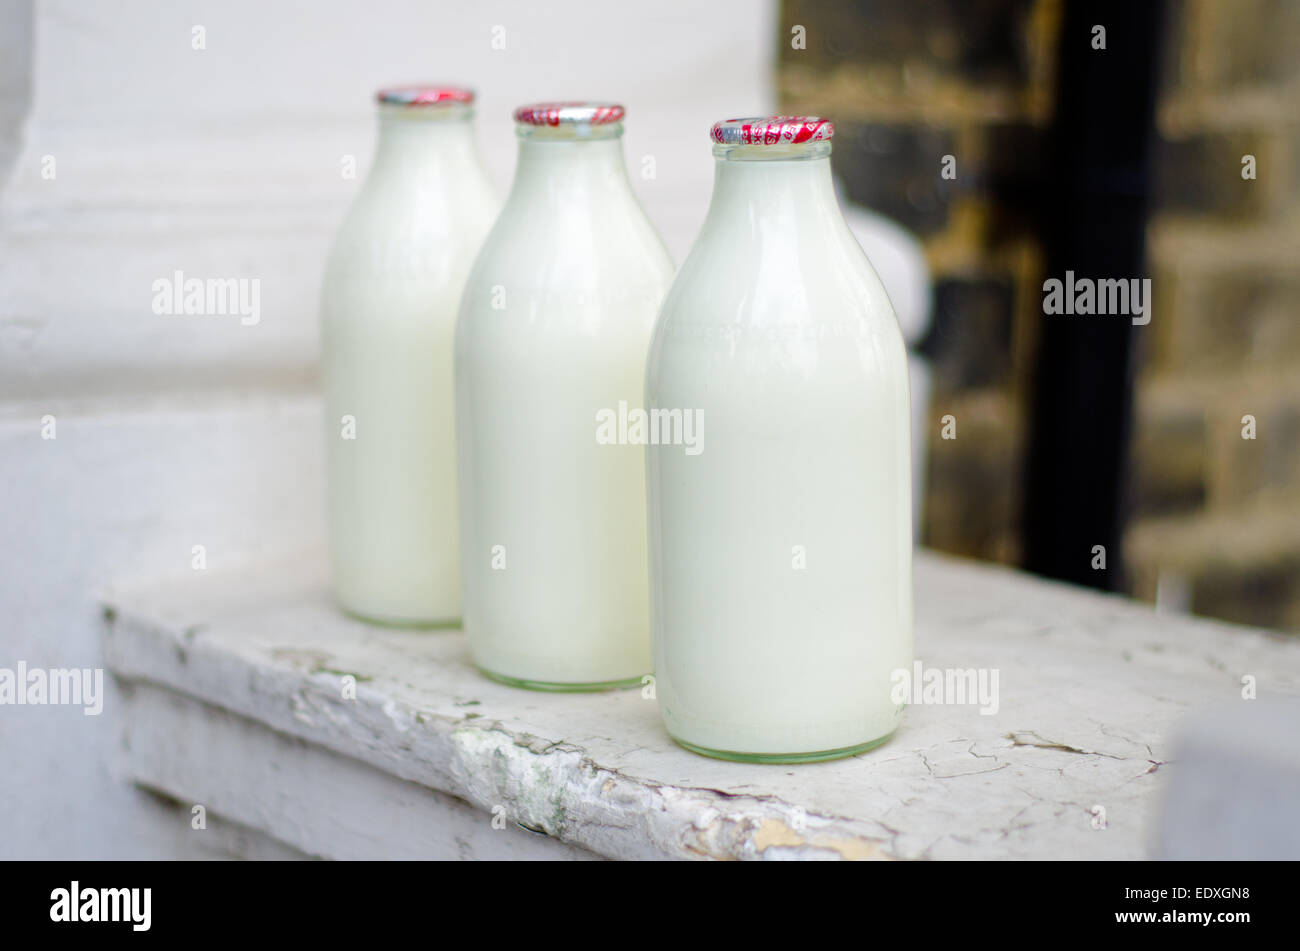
<point>225,162</point>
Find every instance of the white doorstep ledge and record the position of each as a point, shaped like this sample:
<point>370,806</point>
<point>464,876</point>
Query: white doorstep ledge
<point>234,695</point>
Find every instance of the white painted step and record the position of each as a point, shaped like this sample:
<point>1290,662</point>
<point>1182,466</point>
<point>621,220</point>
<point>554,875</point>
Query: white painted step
<point>236,671</point>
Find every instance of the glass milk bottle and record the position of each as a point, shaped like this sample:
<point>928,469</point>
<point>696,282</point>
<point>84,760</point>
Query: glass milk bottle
<point>391,291</point>
<point>780,551</point>
<point>552,337</point>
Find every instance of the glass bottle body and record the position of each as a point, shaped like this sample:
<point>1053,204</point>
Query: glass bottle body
<point>391,292</point>
<point>780,562</point>
<point>554,330</point>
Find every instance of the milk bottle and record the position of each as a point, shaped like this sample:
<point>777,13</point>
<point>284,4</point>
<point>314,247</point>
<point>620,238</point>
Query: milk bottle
<point>552,335</point>
<point>781,551</point>
<point>392,287</point>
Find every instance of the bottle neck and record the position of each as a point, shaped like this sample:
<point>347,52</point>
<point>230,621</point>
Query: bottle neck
<point>557,166</point>
<point>763,187</point>
<point>424,142</point>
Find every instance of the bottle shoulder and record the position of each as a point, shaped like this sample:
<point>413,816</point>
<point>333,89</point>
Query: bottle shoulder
<point>582,246</point>
<point>752,277</point>
<point>430,207</point>
<point>390,231</point>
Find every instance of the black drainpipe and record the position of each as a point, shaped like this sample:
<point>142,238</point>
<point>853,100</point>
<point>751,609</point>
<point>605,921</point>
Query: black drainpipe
<point>1094,202</point>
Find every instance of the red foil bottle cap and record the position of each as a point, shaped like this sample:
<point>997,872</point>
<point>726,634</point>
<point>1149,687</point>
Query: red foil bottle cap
<point>771,130</point>
<point>569,113</point>
<point>422,95</point>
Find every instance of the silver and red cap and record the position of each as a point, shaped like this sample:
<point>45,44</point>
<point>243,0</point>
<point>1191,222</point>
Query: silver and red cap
<point>771,130</point>
<point>569,113</point>
<point>424,95</point>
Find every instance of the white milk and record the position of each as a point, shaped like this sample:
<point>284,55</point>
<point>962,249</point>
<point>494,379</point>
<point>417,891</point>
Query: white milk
<point>391,291</point>
<point>554,328</point>
<point>781,552</point>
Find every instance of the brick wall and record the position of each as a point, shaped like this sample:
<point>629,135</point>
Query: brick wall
<point>1214,519</point>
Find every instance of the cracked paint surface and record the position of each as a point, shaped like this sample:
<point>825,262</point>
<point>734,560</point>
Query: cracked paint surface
<point>1091,688</point>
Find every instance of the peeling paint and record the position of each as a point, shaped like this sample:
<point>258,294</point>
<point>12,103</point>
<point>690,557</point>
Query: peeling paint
<point>774,832</point>
<point>603,777</point>
<point>1030,738</point>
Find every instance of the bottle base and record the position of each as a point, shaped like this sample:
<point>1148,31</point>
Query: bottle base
<point>817,756</point>
<point>552,687</point>
<point>403,624</point>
